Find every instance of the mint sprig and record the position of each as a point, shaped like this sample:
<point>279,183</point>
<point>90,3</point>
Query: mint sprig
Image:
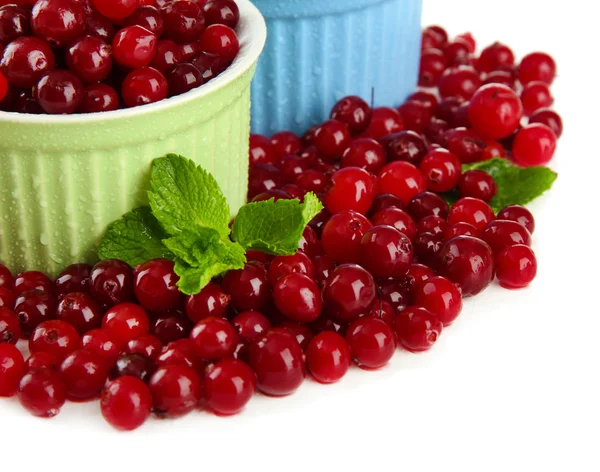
<point>188,222</point>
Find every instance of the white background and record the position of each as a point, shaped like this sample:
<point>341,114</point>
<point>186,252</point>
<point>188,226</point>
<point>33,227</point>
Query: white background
<point>511,386</point>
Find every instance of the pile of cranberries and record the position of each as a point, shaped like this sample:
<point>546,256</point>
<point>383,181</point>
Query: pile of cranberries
<point>387,263</point>
<point>87,56</point>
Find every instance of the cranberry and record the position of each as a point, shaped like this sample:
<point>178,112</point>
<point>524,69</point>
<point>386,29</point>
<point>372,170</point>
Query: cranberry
<point>214,338</point>
<point>99,98</point>
<point>126,321</point>
<point>365,153</point>
<point>384,201</point>
<point>58,21</point>
<point>263,177</point>
<point>401,179</point>
<point>415,115</point>
<point>351,188</point>
<point>332,138</point>
<point>495,57</point>
<point>277,359</point>
<point>417,329</point>
<point>354,112</point>
<point>42,392</point>
<point>134,46</point>
<point>537,66</point>
<point>261,150</point>
<point>439,34</point>
<point>384,121</point>
<point>312,181</point>
<point>210,301</point>
<point>175,389</point>
<point>516,266</point>
<point>384,311</point>
<point>318,222</point>
<point>26,60</point>
<point>471,210</point>
<point>426,247</point>
<point>549,118</point>
<point>298,297</point>
<point>309,243</point>
<point>404,146</point>
<point>501,77</point>
<point>74,278</point>
<point>468,262</point>
<point>433,64</point>
<point>12,368</point>
<point>14,23</point>
<point>535,96</point>
<point>155,285</point>
<point>328,357</point>
<point>349,292</point>
<point>469,39</point>
<point>103,343</point>
<point>126,403</point>
<point>33,307</point>
<point>171,327</point>
<point>251,324</point>
<point>427,204</point>
<point>184,21</point>
<point>220,40</point>
<point>323,267</point>
<point>285,143</point>
<point>466,144</point>
<point>441,297</point>
<point>180,352</point>
<point>397,218</point>
<point>534,145</point>
<point>133,365</point>
<point>519,214</point>
<point>10,328</point>
<point>299,263</point>
<point>146,345</point>
<point>457,52</point>
<point>448,109</point>
<point>5,91</point>
<point>90,58</point>
<point>228,387</point>
<point>111,282</point>
<point>7,280</point>
<point>460,229</point>
<point>386,252</point>
<point>292,166</point>
<point>495,111</point>
<point>493,149</point>
<point>84,373</point>
<point>189,50</point>
<point>416,274</point>
<point>209,65</point>
<point>148,17</point>
<point>441,169</point>
<point>116,10</point>
<point>7,298</point>
<point>500,234</point>
<point>249,287</point>
<point>167,56</point>
<point>477,184</point>
<point>81,311</point>
<point>371,342</point>
<point>100,27</point>
<point>32,280</point>
<point>224,12</point>
<point>428,99</point>
<point>432,224</point>
<point>143,86</point>
<point>342,234</point>
<point>459,81</point>
<point>59,92</point>
<point>54,337</point>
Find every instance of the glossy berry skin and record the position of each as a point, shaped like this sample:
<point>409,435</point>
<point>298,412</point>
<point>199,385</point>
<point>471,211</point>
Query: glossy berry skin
<point>440,296</point>
<point>401,179</point>
<point>7,298</point>
<point>386,252</point>
<point>277,359</point>
<point>42,392</point>
<point>133,365</point>
<point>500,234</point>
<point>263,177</point>
<point>351,188</point>
<point>84,373</point>
<point>519,214</point>
<point>354,112</point>
<point>210,301</point>
<point>7,281</point>
<point>468,262</point>
<point>126,321</point>
<point>285,143</point>
<point>59,92</point>
<point>32,280</point>
<point>298,297</point>
<point>168,54</point>
<point>261,150</point>
<point>441,169</point>
<point>415,115</point>
<point>182,78</point>
<point>332,138</point>
<point>535,96</point>
<point>459,229</point>
<point>371,342</point>
<point>397,218</point>
<point>312,180</point>
<point>417,329</point>
<point>537,66</point>
<point>384,121</point>
<point>384,201</point>
<point>249,287</point>
<point>126,403</point>
<point>432,65</point>
<point>143,86</point>
<point>473,211</point>
<point>495,111</point>
<point>328,357</point>
<point>365,153</point>
<point>171,327</point>
<point>58,22</point>
<point>477,184</point>
<point>103,343</point>
<point>516,266</point>
<point>14,23</point>
<point>12,368</point>
<point>534,145</point>
<point>55,337</point>
<point>146,345</point>
<point>495,57</point>
<point>549,118</point>
<point>342,235</point>
<point>98,98</point>
<point>251,324</point>
<point>134,47</point>
<point>349,292</point>
<point>228,386</point>
<point>147,16</point>
<point>466,144</point>
<point>184,22</point>
<point>416,274</point>
<point>33,307</point>
<point>180,352</point>
<point>100,27</point>
<point>115,10</point>
<point>220,40</point>
<point>111,282</point>
<point>26,60</point>
<point>459,81</point>
<point>224,12</point>
<point>432,224</point>
<point>175,389</point>
<point>214,339</point>
<point>299,263</point>
<point>41,360</point>
<point>10,328</point>
<point>81,311</point>
<point>155,285</point>
<point>405,146</point>
<point>427,204</point>
<point>90,58</point>
<point>74,278</point>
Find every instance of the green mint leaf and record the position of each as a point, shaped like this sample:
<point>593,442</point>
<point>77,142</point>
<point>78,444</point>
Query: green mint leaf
<point>274,227</point>
<point>201,256</point>
<point>135,238</point>
<point>516,185</point>
<point>184,197</point>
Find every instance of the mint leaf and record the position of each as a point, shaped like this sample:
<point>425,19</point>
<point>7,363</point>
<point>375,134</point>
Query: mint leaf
<point>516,185</point>
<point>274,227</point>
<point>184,197</point>
<point>135,238</point>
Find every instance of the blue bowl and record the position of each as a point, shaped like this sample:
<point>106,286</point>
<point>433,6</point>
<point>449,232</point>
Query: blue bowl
<point>319,51</point>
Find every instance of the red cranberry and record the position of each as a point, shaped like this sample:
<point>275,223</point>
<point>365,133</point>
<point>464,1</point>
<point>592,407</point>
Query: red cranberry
<point>428,99</point>
<point>143,86</point>
<point>426,248</point>
<point>32,280</point>
<point>384,311</point>
<point>332,138</point>
<point>500,234</point>
<point>180,352</point>
<point>229,386</point>
<point>384,121</point>
<point>133,365</point>
<point>365,153</point>
<point>220,40</point>
<point>353,111</point>
<point>175,389</point>
<point>477,184</point>
<point>261,150</point>
<point>90,58</point>
<point>127,321</point>
<point>309,243</point>
<point>318,222</point>
<point>209,65</point>
<point>427,204</point>
<point>535,96</point>
<point>416,274</point>
<point>493,149</point>
<point>99,98</point>
<point>146,345</point>
<point>501,77</point>
<point>495,57</point>
<point>349,292</point>
<point>148,17</point>
<point>7,280</point>
<point>459,81</point>
<point>189,50</point>
<point>351,188</point>
<point>433,64</point>
<point>58,21</point>
<point>249,287</point>
<point>7,298</point>
<point>441,169</point>
<point>432,224</point>
<point>42,392</point>
<point>33,307</point>
<point>402,180</point>
<point>299,263</point>
<point>184,22</point>
<point>471,210</point>
<point>84,373</point>
<point>167,56</point>
<point>251,324</point>
<point>460,229</point>
<point>417,329</point>
<point>534,145</point>
<point>312,181</point>
<point>468,262</point>
<point>59,92</point>
<point>447,110</point>
<point>155,285</point>
<point>81,311</point>
<point>116,10</point>
<point>415,115</point>
<point>328,357</point>
<point>397,218</point>
<point>371,342</point>
<point>10,328</point>
<point>168,328</point>
<point>457,52</point>
<point>134,47</point>
<point>224,12</point>
<point>74,278</point>
<point>495,111</point>
<point>537,66</point>
<point>393,292</point>
<point>323,267</point>
<point>404,146</point>
<point>440,296</point>
<point>384,201</point>
<point>100,27</point>
<point>103,343</point>
<point>342,234</point>
<point>386,252</point>
<point>292,166</point>
<point>277,359</point>
<point>519,214</point>
<point>285,143</point>
<point>214,339</point>
<point>300,331</point>
<point>298,297</point>
<point>516,266</point>
<point>126,403</point>
<point>182,78</point>
<point>7,95</point>
<point>12,368</point>
<point>26,60</point>
<point>466,144</point>
<point>263,177</point>
<point>210,301</point>
<point>14,23</point>
<point>54,337</point>
<point>549,118</point>
<point>439,33</point>
<point>111,282</point>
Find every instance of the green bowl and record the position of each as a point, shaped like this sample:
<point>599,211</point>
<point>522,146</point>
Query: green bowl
<point>63,179</point>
